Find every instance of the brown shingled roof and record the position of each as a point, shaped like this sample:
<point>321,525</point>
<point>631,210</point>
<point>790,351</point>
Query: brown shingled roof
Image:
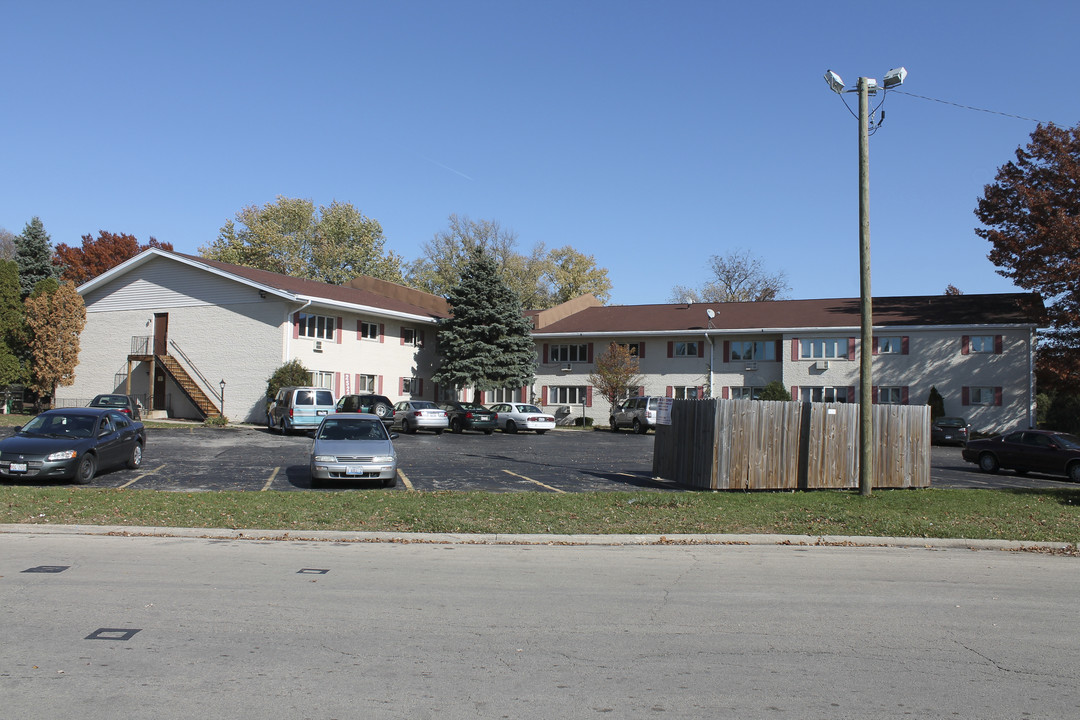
<point>337,293</point>
<point>1015,308</point>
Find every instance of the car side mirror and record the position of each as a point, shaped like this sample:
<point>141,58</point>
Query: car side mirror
<point>393,436</point>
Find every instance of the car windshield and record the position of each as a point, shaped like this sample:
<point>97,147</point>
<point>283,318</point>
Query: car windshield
<point>528,409</point>
<point>337,429</point>
<point>472,406</point>
<point>110,401</point>
<point>1069,441</point>
<point>424,405</point>
<point>79,426</point>
<point>951,422</point>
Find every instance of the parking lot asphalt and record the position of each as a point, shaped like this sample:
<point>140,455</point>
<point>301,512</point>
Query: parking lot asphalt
<point>193,458</point>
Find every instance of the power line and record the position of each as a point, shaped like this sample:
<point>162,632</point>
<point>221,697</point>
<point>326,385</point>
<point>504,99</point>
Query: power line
<point>969,107</point>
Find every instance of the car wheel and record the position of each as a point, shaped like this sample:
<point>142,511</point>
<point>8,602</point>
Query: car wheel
<point>438,431</point>
<point>455,426</point>
<point>988,463</point>
<point>1074,472</point>
<point>511,426</point>
<point>390,482</point>
<point>407,427</point>
<point>614,427</point>
<point>135,459</point>
<point>84,473</point>
<point>488,431</point>
<point>639,428</point>
<point>383,410</point>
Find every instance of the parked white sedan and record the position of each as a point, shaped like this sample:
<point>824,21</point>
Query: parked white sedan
<point>522,416</point>
<point>413,415</point>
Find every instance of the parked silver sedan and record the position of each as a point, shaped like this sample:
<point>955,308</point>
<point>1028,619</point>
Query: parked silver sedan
<point>413,415</point>
<point>353,446</point>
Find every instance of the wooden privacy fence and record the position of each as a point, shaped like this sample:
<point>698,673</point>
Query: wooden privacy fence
<point>765,445</point>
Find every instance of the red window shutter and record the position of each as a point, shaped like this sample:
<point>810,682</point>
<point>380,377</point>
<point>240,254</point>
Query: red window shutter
<point>641,351</point>
<point>402,333</point>
<point>401,386</point>
<point>590,352</point>
<point>337,330</point>
<point>873,395</point>
<point>904,395</point>
<point>727,351</point>
<point>998,396</point>
<point>543,395</point>
<point>999,344</point>
<point>794,392</point>
<point>794,348</point>
<point>641,390</point>
<point>670,391</point>
<point>700,391</point>
<point>965,396</point>
<point>524,392</point>
<point>382,332</point>
<point>670,349</point>
<point>359,329</point>
<point>725,393</point>
<point>379,384</point>
<point>965,344</point>
<point>421,338</point>
<point>701,348</point>
<point>904,345</point>
<point>875,350</point>
<point>588,396</point>
<point>851,348</point>
<point>296,325</point>
<point>545,353</point>
<point>779,349</point>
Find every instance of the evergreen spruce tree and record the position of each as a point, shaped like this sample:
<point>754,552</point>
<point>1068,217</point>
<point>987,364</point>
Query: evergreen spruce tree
<point>33,253</point>
<point>12,326</point>
<point>486,342</point>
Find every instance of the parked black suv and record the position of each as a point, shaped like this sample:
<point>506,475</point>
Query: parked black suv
<point>378,404</point>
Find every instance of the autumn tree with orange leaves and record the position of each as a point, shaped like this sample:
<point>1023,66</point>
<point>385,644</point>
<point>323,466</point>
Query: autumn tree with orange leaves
<point>80,264</point>
<point>1031,214</point>
<point>56,316</point>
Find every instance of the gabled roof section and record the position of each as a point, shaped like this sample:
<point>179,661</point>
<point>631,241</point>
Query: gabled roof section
<point>776,315</point>
<point>377,295</point>
<point>543,318</point>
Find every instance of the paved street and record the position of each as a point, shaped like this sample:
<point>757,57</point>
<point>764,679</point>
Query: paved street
<point>98,628</point>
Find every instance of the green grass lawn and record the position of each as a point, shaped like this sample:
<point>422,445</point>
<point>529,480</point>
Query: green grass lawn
<point>1034,515</point>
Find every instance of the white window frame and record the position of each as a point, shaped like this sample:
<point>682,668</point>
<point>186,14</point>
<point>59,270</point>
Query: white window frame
<point>890,345</point>
<point>411,386</point>
<point>410,336</point>
<point>746,392</point>
<point>567,394</point>
<point>504,395</point>
<point>369,331</point>
<point>322,379</point>
<point>981,395</point>
<point>824,394</point>
<point>634,349</point>
<point>570,353</point>
<point>365,383</point>
<point>753,350</point>
<point>316,327</point>
<point>823,348</point>
<point>984,344</point>
<point>685,392</point>
<point>890,395</point>
<point>685,349</point>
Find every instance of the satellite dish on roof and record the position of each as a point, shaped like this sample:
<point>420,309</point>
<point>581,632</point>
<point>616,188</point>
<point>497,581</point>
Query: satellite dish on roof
<point>711,313</point>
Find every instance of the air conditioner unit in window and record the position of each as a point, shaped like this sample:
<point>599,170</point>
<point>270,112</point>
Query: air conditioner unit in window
<point>751,366</point>
<point>566,368</point>
<point>822,364</point>
<point>318,346</point>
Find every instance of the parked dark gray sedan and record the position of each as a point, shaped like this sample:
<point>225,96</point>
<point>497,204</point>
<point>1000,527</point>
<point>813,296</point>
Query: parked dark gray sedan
<point>72,443</point>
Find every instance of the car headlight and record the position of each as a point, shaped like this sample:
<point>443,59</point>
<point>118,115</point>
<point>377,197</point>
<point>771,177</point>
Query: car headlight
<point>62,455</point>
<point>383,458</point>
<point>325,458</point>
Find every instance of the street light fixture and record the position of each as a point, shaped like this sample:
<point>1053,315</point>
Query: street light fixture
<point>708,326</point>
<point>222,384</point>
<point>865,87</point>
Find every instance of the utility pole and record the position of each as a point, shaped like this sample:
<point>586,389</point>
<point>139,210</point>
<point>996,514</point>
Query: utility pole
<point>866,311</point>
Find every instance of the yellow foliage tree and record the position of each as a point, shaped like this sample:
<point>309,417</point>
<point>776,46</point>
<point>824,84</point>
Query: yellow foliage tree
<point>56,317</point>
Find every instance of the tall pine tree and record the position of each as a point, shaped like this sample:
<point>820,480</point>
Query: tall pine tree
<point>486,343</point>
<point>33,253</point>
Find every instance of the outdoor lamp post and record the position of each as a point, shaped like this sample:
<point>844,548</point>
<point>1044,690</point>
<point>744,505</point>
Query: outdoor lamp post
<point>865,87</point>
<point>222,384</point>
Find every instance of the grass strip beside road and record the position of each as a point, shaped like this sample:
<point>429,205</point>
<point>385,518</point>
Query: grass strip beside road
<point>1025,515</point>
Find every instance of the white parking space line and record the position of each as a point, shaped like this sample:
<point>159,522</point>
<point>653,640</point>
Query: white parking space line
<point>404,479</point>
<point>537,482</point>
<point>270,481</point>
<point>140,477</point>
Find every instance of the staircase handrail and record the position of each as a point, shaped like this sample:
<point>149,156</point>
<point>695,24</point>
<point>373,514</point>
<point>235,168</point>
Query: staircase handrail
<point>191,366</point>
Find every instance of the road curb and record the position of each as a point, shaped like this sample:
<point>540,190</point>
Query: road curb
<point>507,539</point>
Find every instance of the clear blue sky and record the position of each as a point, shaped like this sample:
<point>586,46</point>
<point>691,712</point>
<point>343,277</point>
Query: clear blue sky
<point>650,135</point>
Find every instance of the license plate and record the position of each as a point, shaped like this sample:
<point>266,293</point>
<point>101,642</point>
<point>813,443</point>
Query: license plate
<point>321,412</point>
<point>354,471</point>
<point>18,467</point>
